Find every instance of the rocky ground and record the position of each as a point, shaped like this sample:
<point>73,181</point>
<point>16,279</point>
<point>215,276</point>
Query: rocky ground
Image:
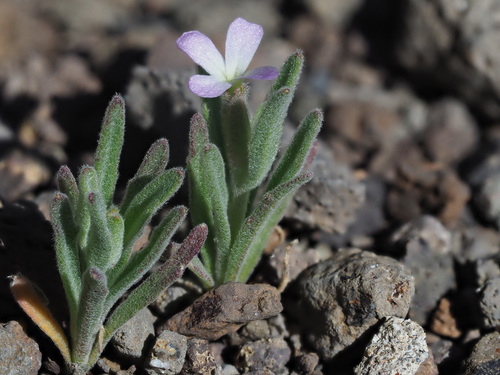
<point>396,267</point>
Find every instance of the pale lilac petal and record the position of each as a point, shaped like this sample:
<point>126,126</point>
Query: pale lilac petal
<point>207,86</point>
<point>203,52</point>
<point>265,73</point>
<point>242,41</point>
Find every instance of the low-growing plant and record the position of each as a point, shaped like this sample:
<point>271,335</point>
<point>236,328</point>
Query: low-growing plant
<point>95,243</point>
<point>233,186</point>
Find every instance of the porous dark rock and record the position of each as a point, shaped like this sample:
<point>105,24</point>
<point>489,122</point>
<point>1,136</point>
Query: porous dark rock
<point>199,358</point>
<point>254,330</point>
<point>167,355</point>
<point>419,185</point>
<point>486,269</point>
<point>440,347</point>
<point>306,363</point>
<point>130,339</point>
<point>425,245</point>
<point>264,356</point>
<point>19,354</point>
<point>487,201</point>
<point>449,45</point>
<point>337,300</point>
<point>452,133</point>
<point>364,124</point>
<point>330,201</point>
<point>299,259</point>
<point>173,299</point>
<point>371,216</point>
<point>485,357</point>
<point>398,347</point>
<point>490,303</point>
<point>225,309</point>
<point>474,243</point>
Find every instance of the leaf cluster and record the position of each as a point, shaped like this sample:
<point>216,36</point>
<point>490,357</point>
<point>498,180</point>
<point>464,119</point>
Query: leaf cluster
<point>95,240</point>
<point>234,188</point>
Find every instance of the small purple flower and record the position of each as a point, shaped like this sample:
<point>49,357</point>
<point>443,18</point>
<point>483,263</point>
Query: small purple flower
<point>242,41</point>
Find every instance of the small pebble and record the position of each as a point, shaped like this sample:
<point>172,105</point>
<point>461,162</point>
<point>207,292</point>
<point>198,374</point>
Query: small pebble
<point>306,363</point>
<point>167,355</point>
<point>330,201</point>
<point>452,132</point>
<point>264,355</point>
<point>490,303</point>
<point>19,354</point>
<point>130,339</point>
<point>487,201</point>
<point>426,247</point>
<point>199,358</point>
<point>441,348</point>
<point>398,347</point>
<point>485,357</point>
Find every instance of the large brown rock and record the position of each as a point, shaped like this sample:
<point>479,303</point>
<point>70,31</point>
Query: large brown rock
<point>225,309</point>
<point>339,299</point>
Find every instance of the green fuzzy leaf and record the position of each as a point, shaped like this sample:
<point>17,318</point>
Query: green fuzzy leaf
<point>237,211</point>
<point>68,263</point>
<point>148,201</point>
<point>200,212</point>
<point>140,262</point>
<point>268,123</point>
<point>87,182</point>
<point>290,72</point>
<point>264,145</point>
<point>200,202</point>
<point>116,227</point>
<point>155,160</point>
<point>255,251</point>
<point>109,147</point>
<point>198,136</point>
<point>153,164</point>
<point>214,186</point>
<point>244,255</point>
<point>197,267</point>
<point>90,314</point>
<point>66,183</point>
<point>236,130</point>
<point>157,282</point>
<point>100,243</point>
<point>295,157</point>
